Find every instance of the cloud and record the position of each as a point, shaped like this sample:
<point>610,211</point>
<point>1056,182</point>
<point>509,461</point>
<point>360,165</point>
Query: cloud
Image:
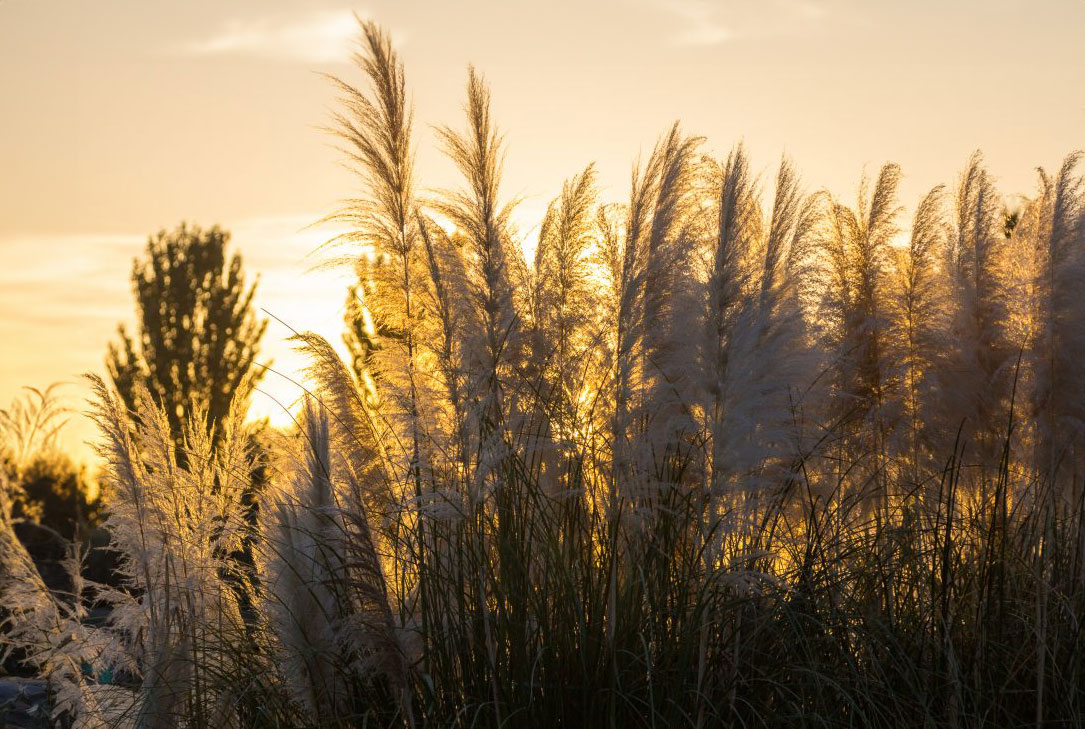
<point>701,26</point>
<point>703,35</point>
<point>322,37</point>
<point>714,22</point>
<point>41,259</point>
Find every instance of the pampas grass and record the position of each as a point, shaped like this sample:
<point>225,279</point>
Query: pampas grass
<point>726,454</point>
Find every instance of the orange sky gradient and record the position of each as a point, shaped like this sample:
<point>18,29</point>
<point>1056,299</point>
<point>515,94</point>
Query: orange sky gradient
<point>121,117</point>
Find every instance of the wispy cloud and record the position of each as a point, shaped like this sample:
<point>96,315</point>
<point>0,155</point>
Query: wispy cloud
<point>701,25</point>
<point>714,22</point>
<point>322,37</point>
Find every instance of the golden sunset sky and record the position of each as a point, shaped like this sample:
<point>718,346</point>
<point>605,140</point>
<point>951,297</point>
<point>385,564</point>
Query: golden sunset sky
<point>121,117</point>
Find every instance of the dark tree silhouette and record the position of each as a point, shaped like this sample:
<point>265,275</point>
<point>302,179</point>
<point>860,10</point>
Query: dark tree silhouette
<point>57,494</point>
<point>198,336</point>
<point>1010,219</point>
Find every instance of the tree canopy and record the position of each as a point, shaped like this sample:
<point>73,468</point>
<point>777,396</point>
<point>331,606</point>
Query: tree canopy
<point>197,335</point>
